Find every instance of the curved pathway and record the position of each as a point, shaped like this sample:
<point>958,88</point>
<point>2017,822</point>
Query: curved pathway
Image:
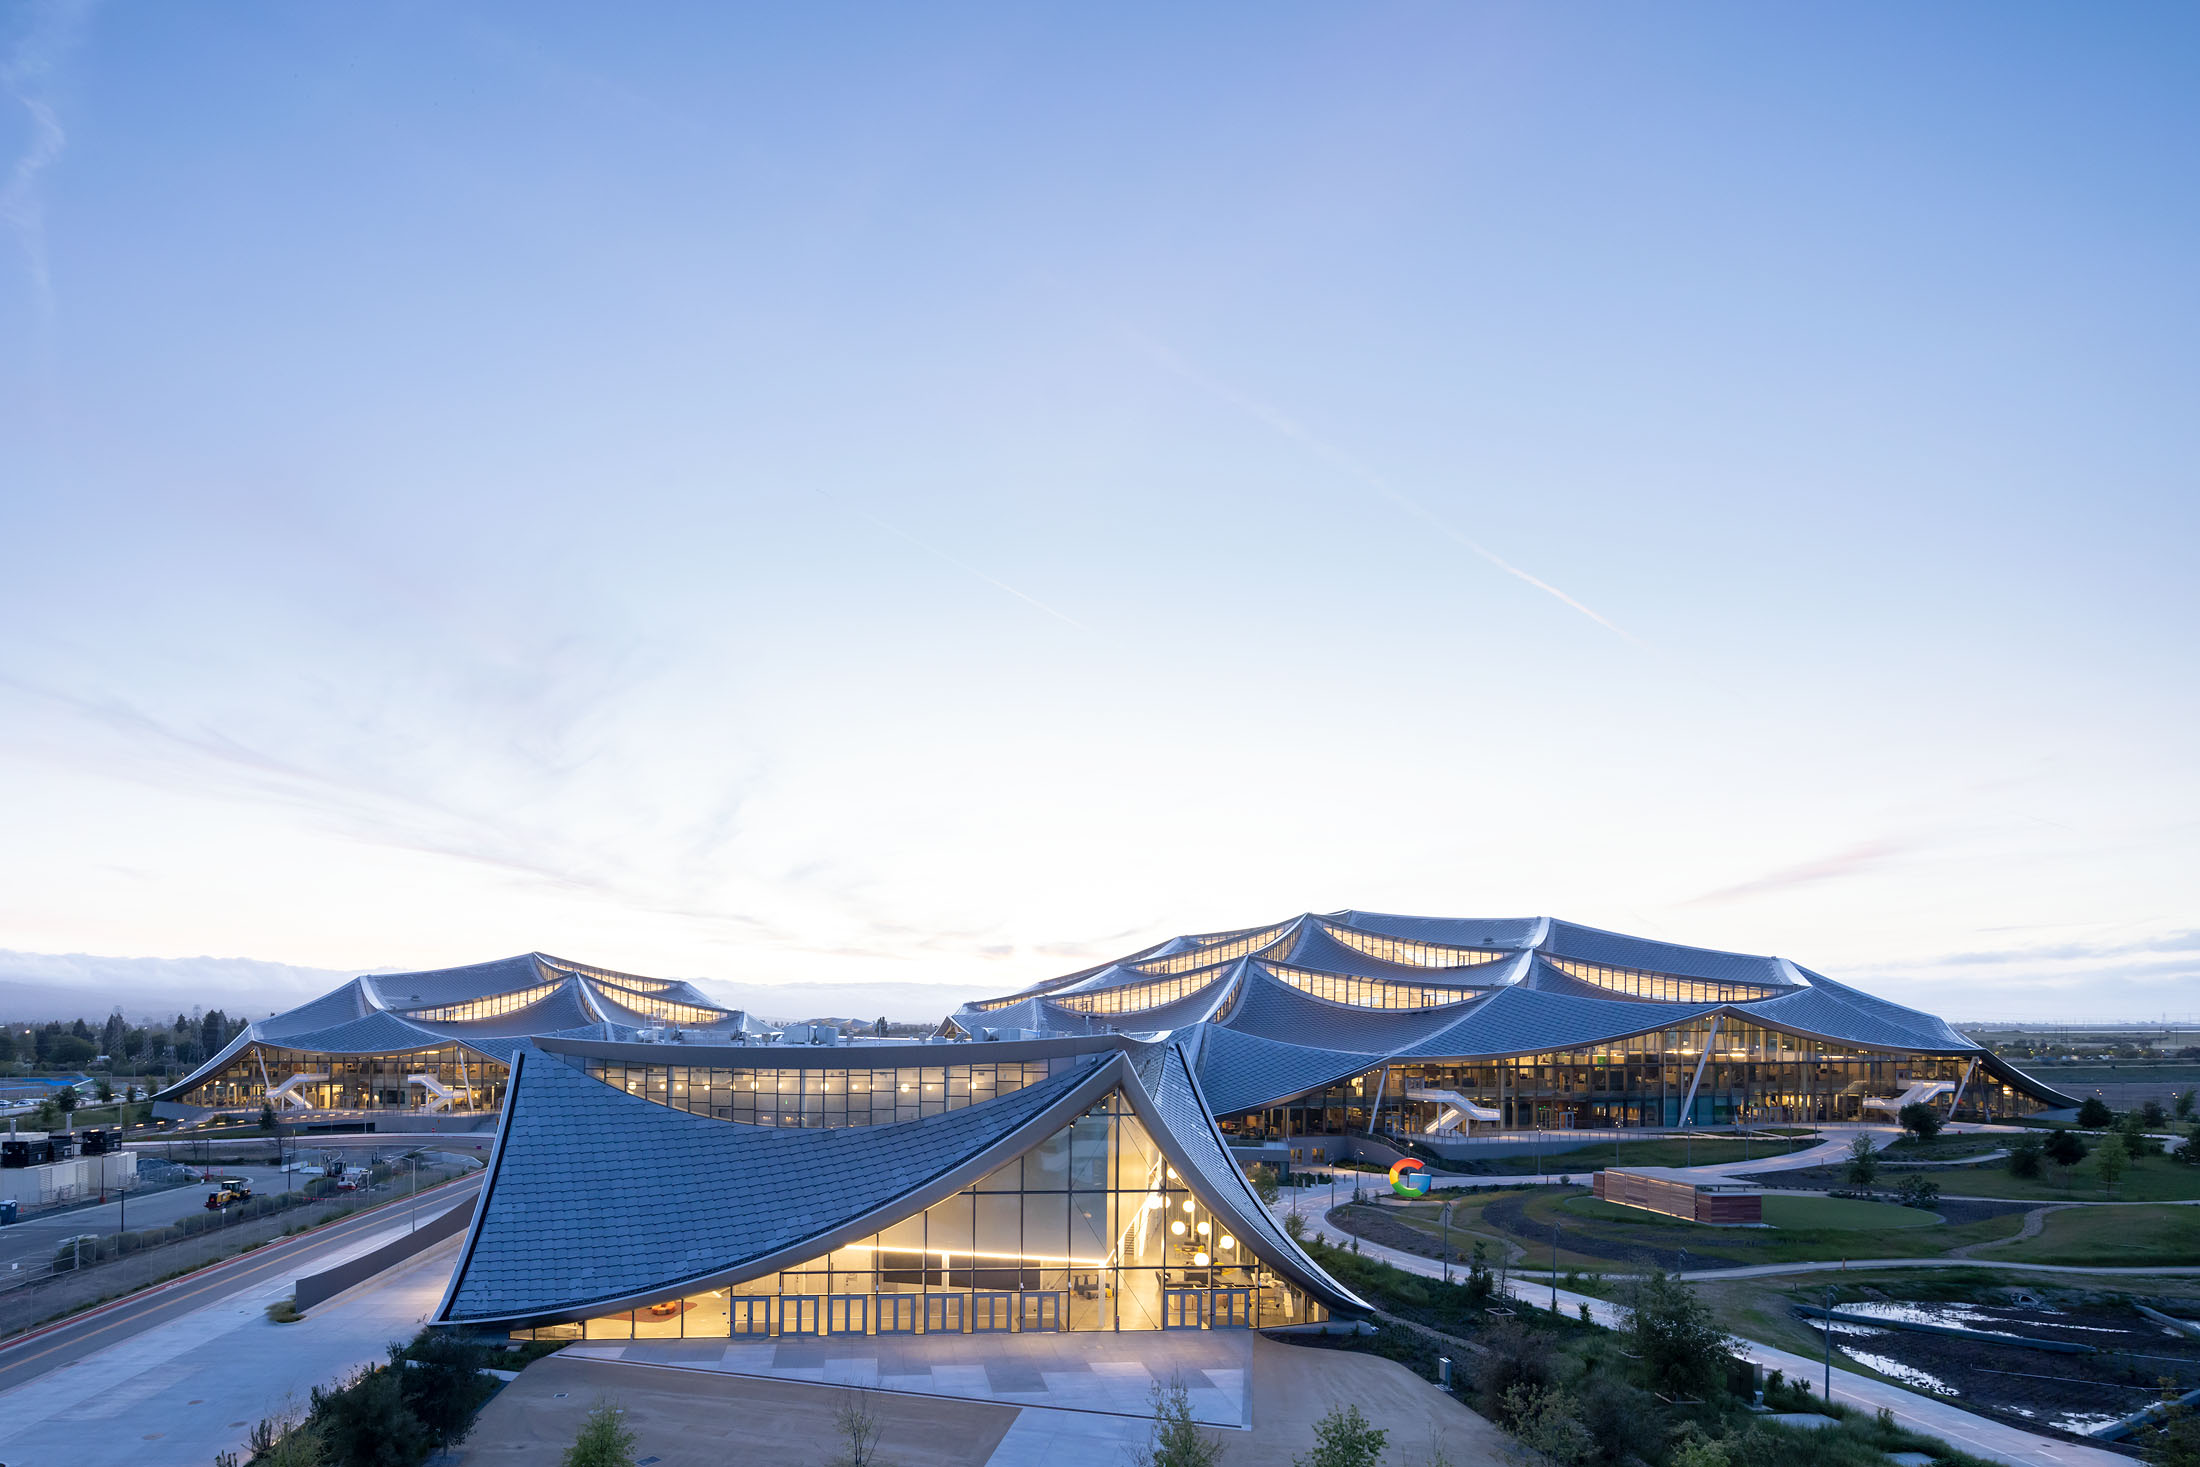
<point>1934,1417</point>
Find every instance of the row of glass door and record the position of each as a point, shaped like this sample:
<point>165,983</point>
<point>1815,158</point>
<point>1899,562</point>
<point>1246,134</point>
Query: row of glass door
<point>1025,1312</point>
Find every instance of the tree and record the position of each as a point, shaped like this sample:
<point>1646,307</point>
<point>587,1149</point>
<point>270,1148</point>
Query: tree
<point>2094,1114</point>
<point>1173,1440</point>
<point>103,1092</point>
<point>66,1100</point>
<point>368,1424</point>
<point>2065,1147</point>
<point>1344,1438</point>
<point>2152,1116</point>
<point>879,1028</point>
<point>2025,1158</point>
<point>1681,1347</point>
<point>2109,1164</point>
<point>604,1440</point>
<point>444,1385</point>
<point>2185,1099</point>
<point>1263,1178</point>
<point>1547,1422</point>
<point>1863,1160</point>
<point>1920,1120</point>
<point>860,1430</point>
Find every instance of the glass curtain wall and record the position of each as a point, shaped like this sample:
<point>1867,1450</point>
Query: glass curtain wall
<point>1091,1229</point>
<point>353,1081</point>
<point>821,1095</point>
<point>1752,1074</point>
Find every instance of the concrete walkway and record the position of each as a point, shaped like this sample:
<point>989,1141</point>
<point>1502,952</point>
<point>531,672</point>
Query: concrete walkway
<point>1975,1434</point>
<point>1113,1374</point>
<point>193,1386</point>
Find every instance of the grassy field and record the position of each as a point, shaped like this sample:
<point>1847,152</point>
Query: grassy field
<point>1805,1229</point>
<point>2149,1179</point>
<point>1943,1147</point>
<point>2112,1237</point>
<point>1701,1151</point>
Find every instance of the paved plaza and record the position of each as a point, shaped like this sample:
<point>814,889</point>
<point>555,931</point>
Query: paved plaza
<point>1099,1372</point>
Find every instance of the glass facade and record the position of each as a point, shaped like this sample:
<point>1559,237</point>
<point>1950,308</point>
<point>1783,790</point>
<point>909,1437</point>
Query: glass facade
<point>670,1010</point>
<point>1091,1229</point>
<point>1662,987</point>
<point>1218,950</point>
<point>1752,1074</point>
<point>1417,954</point>
<point>483,1008</point>
<point>837,1095</point>
<point>1133,998</point>
<point>354,1081</point>
<point>1371,993</point>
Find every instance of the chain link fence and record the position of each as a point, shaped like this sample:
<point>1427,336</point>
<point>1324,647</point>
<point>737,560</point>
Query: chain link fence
<point>91,1267</point>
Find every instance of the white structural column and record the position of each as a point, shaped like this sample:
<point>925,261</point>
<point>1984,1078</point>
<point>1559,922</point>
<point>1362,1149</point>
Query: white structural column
<point>1710,1042</point>
<point>1376,1109</point>
<point>1970,1068</point>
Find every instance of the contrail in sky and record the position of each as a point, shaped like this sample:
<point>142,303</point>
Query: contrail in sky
<point>968,570</point>
<point>52,28</point>
<point>1338,459</point>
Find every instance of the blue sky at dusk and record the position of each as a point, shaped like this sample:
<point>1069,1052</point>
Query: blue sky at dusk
<point>870,494</point>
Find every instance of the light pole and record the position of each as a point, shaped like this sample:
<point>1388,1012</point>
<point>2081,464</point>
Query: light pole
<point>1554,1270</point>
<point>1446,1216</point>
<point>1828,1322</point>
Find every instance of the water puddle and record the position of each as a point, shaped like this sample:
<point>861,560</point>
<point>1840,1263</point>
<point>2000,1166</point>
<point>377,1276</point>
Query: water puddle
<point>1894,1369</point>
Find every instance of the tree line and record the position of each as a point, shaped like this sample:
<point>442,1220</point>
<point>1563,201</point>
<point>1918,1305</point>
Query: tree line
<point>155,1046</point>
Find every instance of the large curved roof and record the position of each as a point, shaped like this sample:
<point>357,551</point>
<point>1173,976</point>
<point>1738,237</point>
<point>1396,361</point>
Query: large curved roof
<point>704,1203</point>
<point>487,1007</point>
<point>1328,995</point>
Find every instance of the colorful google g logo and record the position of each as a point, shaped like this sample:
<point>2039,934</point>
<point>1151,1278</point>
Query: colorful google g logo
<point>1404,1178</point>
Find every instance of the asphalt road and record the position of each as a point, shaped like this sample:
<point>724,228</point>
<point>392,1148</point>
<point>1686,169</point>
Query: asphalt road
<point>71,1340</point>
<point>32,1241</point>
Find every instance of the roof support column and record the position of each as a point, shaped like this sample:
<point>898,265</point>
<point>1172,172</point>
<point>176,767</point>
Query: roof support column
<point>1382,1081</point>
<point>1710,1042</point>
<point>1970,1067</point>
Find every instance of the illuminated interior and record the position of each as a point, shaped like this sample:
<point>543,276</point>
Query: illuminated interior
<point>1133,998</point>
<point>1418,954</point>
<point>1091,1229</point>
<point>819,1096</point>
<point>484,1008</point>
<point>1663,987</point>
<point>1371,993</point>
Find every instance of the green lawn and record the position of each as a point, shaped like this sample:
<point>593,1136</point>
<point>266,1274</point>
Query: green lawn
<point>2112,1237</point>
<point>1804,1229</point>
<point>2149,1179</point>
<point>1944,1147</point>
<point>1663,1151</point>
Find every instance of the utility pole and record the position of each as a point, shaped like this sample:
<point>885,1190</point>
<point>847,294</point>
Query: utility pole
<point>1554,1270</point>
<point>415,1193</point>
<point>1828,1323</point>
<point>1446,1216</point>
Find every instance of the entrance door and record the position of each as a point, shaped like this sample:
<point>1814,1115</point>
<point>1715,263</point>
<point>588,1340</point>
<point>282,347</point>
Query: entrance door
<point>1230,1309</point>
<point>798,1314</point>
<point>1040,1311</point>
<point>897,1313</point>
<point>943,1314</point>
<point>1183,1308</point>
<point>751,1313</point>
<point>992,1313</point>
<point>847,1314</point>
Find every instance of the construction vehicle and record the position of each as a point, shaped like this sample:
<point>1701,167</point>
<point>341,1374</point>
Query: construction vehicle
<point>226,1191</point>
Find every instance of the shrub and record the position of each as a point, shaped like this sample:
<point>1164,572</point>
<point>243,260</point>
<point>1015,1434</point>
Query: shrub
<point>604,1440</point>
<point>2025,1159</point>
<point>1263,1179</point>
<point>2094,1114</point>
<point>1683,1350</point>
<point>1517,1357</point>
<point>1549,1422</point>
<point>1916,1191</point>
<point>2064,1147</point>
<point>1919,1119</point>
<point>367,1423</point>
<point>1345,1438</point>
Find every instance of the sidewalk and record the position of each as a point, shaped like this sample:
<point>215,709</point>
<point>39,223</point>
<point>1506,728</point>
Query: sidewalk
<point>1952,1424</point>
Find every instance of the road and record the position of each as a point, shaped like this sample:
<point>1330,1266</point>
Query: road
<point>55,1346</point>
<point>32,1241</point>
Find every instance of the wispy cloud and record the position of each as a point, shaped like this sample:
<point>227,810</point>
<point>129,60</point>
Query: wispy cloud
<point>49,31</point>
<point>1366,476</point>
<point>1851,862</point>
<point>938,554</point>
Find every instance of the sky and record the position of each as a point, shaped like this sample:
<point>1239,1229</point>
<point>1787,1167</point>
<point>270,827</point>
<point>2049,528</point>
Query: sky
<point>945,495</point>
